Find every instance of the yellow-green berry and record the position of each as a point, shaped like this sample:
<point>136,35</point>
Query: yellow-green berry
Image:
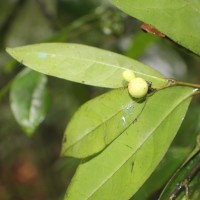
<point>128,75</point>
<point>138,87</point>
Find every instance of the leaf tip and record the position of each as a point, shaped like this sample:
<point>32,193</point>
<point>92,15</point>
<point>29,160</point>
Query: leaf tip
<point>9,51</point>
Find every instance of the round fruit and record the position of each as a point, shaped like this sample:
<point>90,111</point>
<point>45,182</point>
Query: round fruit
<point>128,75</point>
<point>138,87</point>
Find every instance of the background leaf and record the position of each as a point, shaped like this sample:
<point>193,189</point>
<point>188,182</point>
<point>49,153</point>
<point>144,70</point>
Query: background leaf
<point>83,64</point>
<point>139,44</point>
<point>98,122</point>
<point>184,172</point>
<point>177,19</point>
<point>124,165</point>
<point>29,99</point>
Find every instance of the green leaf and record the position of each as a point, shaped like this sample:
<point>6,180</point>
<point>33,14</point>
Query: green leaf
<point>83,64</point>
<point>174,157</point>
<point>120,170</point>
<point>98,122</point>
<point>186,171</point>
<point>29,99</point>
<point>139,44</point>
<point>177,19</point>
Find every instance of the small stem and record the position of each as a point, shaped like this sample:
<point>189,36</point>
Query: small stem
<point>171,83</point>
<point>178,83</point>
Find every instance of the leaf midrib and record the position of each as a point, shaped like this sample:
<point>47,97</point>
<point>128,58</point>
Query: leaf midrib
<point>107,64</point>
<point>97,127</point>
<point>167,114</point>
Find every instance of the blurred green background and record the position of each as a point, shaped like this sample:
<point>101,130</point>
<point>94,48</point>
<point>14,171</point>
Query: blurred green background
<point>30,167</point>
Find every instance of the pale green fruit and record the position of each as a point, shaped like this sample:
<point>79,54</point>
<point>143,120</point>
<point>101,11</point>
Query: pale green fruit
<point>128,75</point>
<point>138,87</point>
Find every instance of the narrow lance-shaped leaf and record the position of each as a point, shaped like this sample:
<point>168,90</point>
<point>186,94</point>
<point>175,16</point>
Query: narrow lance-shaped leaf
<point>120,170</point>
<point>29,99</point>
<point>177,19</point>
<point>188,174</point>
<point>83,64</point>
<point>98,122</point>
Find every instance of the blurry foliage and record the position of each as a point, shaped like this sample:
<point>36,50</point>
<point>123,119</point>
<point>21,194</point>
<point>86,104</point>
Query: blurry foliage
<point>30,167</point>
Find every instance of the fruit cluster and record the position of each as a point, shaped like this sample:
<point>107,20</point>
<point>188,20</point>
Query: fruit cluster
<point>137,86</point>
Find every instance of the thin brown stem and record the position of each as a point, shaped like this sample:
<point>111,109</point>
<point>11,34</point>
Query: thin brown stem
<point>197,86</point>
<point>172,82</point>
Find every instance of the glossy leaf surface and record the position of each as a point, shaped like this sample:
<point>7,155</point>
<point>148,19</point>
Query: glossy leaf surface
<point>83,64</point>
<point>120,170</point>
<point>177,19</point>
<point>99,121</point>
<point>29,99</point>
